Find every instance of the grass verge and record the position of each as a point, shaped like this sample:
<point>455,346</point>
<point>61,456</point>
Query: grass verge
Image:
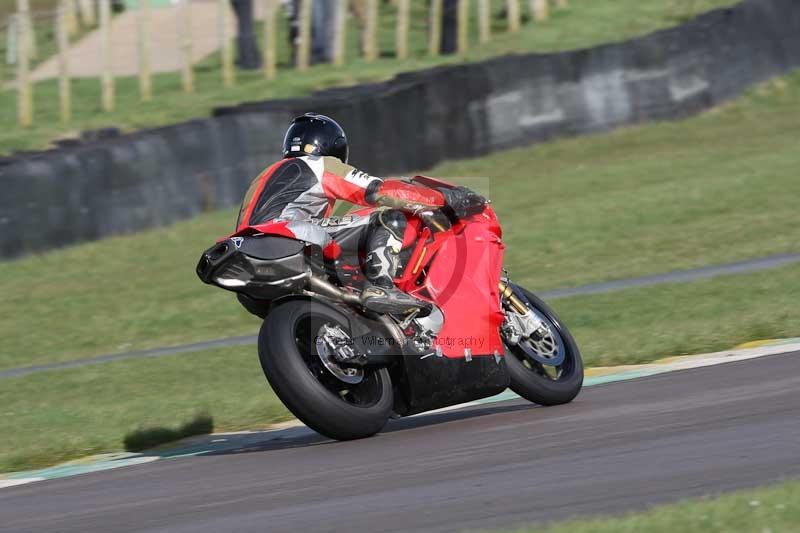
<point>585,23</point>
<point>640,325</point>
<point>57,415</point>
<point>771,509</point>
<point>715,188</point>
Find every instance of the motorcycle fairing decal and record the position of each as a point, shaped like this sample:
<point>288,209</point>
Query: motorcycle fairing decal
<point>333,221</point>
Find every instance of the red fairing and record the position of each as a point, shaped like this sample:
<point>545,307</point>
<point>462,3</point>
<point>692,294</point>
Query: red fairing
<point>462,280</point>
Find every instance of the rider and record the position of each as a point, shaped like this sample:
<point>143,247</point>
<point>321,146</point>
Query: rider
<point>301,189</point>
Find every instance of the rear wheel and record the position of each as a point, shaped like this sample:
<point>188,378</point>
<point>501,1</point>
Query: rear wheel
<point>545,368</point>
<point>339,402</point>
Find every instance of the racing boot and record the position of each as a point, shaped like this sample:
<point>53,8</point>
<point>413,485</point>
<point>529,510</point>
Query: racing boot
<point>392,301</point>
<point>383,258</point>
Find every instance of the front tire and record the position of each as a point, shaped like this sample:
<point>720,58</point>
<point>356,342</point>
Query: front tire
<point>289,359</point>
<point>537,382</point>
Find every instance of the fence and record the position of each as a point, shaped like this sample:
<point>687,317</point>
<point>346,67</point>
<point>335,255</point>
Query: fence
<point>86,39</point>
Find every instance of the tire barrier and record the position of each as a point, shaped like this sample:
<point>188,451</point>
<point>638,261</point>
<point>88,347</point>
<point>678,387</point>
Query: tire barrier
<point>117,185</point>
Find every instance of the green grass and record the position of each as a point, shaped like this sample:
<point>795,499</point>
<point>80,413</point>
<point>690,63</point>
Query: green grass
<point>57,415</point>
<point>116,295</point>
<point>716,188</point>
<point>773,509</point>
<point>43,17</point>
<point>640,325</point>
<point>9,7</point>
<point>585,23</point>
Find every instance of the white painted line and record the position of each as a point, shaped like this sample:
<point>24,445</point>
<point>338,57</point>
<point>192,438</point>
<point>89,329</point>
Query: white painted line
<point>719,358</point>
<point>448,408</point>
<point>15,482</point>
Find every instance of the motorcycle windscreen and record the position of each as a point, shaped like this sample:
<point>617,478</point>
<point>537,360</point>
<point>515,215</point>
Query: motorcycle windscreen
<point>463,281</point>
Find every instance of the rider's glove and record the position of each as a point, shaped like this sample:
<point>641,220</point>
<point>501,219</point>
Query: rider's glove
<point>461,202</point>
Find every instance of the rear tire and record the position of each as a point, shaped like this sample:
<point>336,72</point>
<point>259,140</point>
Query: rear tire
<point>288,358</point>
<point>529,378</point>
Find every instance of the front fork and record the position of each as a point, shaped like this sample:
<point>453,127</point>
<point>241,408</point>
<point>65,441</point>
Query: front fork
<point>525,323</point>
<point>507,293</point>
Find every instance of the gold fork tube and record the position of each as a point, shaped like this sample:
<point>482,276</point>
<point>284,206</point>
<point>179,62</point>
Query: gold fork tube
<point>507,293</point>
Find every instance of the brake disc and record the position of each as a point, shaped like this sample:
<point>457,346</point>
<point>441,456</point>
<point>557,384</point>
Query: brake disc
<point>333,344</point>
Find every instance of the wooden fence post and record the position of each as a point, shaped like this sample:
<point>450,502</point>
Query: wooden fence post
<point>24,13</point>
<point>186,36</point>
<point>304,48</point>
<point>370,35</point>
<point>62,38</point>
<point>462,34</point>
<point>24,91</point>
<point>143,26</point>
<point>340,33</point>
<point>107,76</point>
<point>484,21</point>
<point>87,10</point>
<point>71,16</point>
<point>402,29</point>
<point>435,28</point>
<point>512,9</point>
<point>226,46</point>
<point>270,41</point>
<point>540,10</point>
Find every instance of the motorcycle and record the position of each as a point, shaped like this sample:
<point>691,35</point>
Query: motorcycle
<point>344,371</point>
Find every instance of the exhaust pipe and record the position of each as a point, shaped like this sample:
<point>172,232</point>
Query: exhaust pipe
<point>327,289</point>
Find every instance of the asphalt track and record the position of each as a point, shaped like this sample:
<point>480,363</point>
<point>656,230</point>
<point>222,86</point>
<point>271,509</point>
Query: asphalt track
<point>620,446</point>
<point>676,276</point>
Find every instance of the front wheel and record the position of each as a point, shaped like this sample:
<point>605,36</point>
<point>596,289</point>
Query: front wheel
<point>339,402</point>
<point>545,368</point>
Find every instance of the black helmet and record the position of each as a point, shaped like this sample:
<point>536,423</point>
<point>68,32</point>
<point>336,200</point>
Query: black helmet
<point>313,134</point>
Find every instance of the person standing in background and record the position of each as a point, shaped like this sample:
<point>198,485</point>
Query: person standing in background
<point>449,33</point>
<point>249,57</point>
<point>322,27</point>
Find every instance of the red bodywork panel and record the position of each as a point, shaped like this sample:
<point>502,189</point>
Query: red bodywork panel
<point>460,272</point>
